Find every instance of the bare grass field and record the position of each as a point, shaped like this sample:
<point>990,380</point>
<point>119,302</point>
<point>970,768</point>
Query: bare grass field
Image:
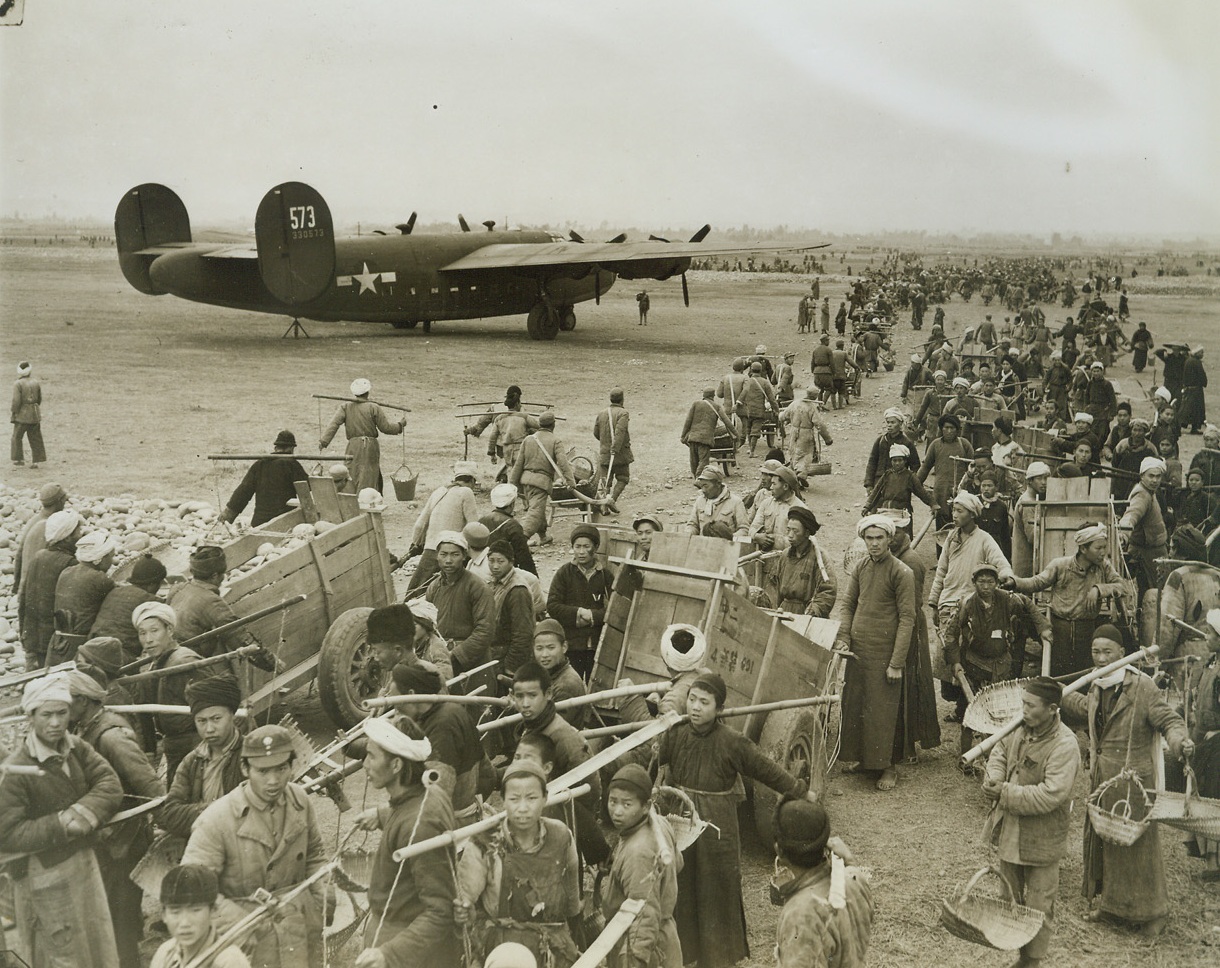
<point>138,390</point>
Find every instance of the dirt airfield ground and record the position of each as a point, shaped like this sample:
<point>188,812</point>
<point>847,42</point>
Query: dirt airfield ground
<point>138,390</point>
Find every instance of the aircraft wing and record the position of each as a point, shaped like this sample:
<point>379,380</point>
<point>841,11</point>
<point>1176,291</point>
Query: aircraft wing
<point>538,255</point>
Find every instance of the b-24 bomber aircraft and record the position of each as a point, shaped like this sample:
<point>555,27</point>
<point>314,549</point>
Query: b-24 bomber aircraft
<point>297,268</point>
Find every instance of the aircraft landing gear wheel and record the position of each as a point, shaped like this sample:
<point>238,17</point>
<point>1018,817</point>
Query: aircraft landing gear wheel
<point>567,319</point>
<point>427,326</point>
<point>404,324</point>
<point>543,322</point>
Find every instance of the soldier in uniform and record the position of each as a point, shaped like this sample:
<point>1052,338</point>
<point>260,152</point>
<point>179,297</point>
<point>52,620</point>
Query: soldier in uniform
<point>264,834</point>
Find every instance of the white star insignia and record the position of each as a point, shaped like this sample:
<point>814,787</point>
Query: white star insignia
<point>367,280</point>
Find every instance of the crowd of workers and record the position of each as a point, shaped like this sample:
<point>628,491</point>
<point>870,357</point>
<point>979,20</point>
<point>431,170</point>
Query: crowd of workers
<point>515,894</point>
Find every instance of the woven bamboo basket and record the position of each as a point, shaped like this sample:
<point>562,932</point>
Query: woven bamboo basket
<point>686,823</point>
<point>994,706</point>
<point>1120,809</point>
<point>1188,811</point>
<point>355,868</point>
<point>989,920</point>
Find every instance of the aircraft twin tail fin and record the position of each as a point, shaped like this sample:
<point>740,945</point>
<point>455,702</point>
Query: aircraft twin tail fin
<point>148,217</point>
<point>296,243</point>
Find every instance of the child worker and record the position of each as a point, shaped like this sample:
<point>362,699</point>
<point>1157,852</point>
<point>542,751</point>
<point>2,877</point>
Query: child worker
<point>644,866</point>
<point>188,895</point>
<point>706,760</point>
<point>521,881</point>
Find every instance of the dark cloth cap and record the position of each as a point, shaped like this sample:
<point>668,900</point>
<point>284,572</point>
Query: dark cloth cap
<point>949,418</point>
<point>801,826</point>
<point>806,517</point>
<point>586,531</point>
<point>550,626</point>
<point>1045,688</point>
<point>986,569</point>
<point>51,494</point>
<point>616,395</point>
<point>711,682</point>
<point>147,571</point>
<point>222,690</point>
<point>208,560</point>
<point>634,778</point>
<point>189,884</point>
<point>1190,542</point>
<point>393,623</point>
<point>982,452</point>
<point>1108,631</point>
<point>546,419</point>
<point>285,438</point>
<point>1069,470</point>
<point>502,547</point>
<point>718,529</point>
<point>104,653</point>
<point>415,677</point>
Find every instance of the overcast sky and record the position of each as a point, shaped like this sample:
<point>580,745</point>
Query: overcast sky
<point>1066,115</point>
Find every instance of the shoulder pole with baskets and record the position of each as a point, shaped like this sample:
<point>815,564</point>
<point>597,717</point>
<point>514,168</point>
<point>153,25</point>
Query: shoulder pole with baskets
<point>1119,808</point>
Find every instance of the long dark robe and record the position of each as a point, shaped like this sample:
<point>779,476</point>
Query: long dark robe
<point>917,719</point>
<point>709,764</point>
<point>878,620</point>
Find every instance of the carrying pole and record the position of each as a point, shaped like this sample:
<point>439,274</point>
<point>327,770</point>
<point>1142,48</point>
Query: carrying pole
<point>380,403</point>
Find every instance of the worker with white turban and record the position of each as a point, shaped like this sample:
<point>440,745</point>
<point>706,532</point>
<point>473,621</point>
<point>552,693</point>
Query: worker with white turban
<point>965,548</point>
<point>155,623</point>
<point>879,457</point>
<point>80,591</point>
<point>1078,585</point>
<point>39,579</point>
<point>362,420</point>
<point>1037,473</point>
<point>64,792</point>
<point>1142,527</point>
<point>877,621</point>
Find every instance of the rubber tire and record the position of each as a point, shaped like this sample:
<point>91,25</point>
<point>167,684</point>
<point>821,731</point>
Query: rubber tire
<point>794,739</point>
<point>346,644</point>
<point>567,319</point>
<point>403,324</point>
<point>542,323</point>
<point>1149,617</point>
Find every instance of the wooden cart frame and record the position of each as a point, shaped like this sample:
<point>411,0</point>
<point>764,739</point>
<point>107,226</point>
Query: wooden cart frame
<point>763,656</point>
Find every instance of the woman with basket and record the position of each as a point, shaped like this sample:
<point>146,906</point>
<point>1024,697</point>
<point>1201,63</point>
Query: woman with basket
<point>1124,712</point>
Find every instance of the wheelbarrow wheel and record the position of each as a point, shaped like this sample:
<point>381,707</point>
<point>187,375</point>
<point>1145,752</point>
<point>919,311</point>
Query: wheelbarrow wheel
<point>795,739</point>
<point>348,673</point>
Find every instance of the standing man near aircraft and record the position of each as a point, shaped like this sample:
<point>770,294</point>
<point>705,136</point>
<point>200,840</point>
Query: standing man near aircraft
<point>615,457</point>
<point>27,417</point>
<point>362,421</point>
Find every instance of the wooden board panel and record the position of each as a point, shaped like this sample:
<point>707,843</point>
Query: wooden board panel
<point>295,560</point>
<point>305,496</point>
<point>326,499</point>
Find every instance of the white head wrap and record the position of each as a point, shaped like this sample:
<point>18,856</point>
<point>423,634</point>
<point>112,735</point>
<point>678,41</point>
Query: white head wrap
<point>896,414</point>
<point>502,495</point>
<point>23,369</point>
<point>39,692</point>
<point>465,468</point>
<point>360,387</point>
<point>1091,532</point>
<point>760,348</point>
<point>1213,619</point>
<point>1163,393</point>
<point>1036,469</point>
<point>1146,465</point>
<point>453,538</point>
<point>875,521</point>
<point>940,373</point>
<point>424,611</point>
<point>899,450</point>
<point>686,661</point>
<point>95,546</point>
<point>971,502</point>
<point>1056,354</point>
<point>510,954</point>
<point>154,610</point>
<point>1086,417</point>
<point>961,381</point>
<point>61,524</point>
<point>916,358</point>
<point>370,499</point>
<point>83,684</point>
<point>394,741</point>
<point>1097,365</point>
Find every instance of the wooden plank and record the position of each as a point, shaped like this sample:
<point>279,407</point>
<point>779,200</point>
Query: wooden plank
<point>326,499</point>
<point>305,497</point>
<point>328,593</point>
<point>349,506</point>
<point>299,558</point>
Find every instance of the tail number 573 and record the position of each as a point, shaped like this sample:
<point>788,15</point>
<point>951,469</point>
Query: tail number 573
<point>301,216</point>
